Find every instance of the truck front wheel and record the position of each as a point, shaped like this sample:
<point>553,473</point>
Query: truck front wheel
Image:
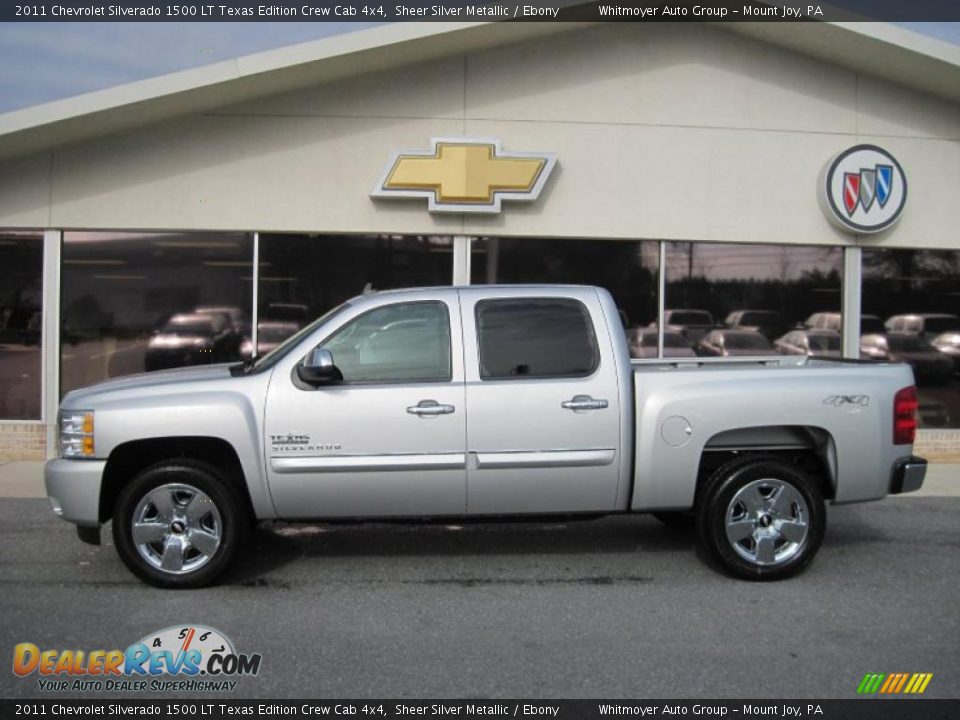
<point>761,518</point>
<point>177,525</point>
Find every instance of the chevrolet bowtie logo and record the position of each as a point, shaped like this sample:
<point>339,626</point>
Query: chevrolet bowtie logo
<point>465,175</point>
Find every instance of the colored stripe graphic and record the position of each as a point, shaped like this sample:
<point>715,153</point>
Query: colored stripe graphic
<point>894,683</point>
<point>870,683</point>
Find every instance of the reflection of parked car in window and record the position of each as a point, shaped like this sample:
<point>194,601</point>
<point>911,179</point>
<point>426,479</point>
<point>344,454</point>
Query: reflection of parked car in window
<point>933,414</point>
<point>928,363</point>
<point>294,312</point>
<point>949,344</point>
<point>239,325</point>
<point>767,322</point>
<point>192,339</point>
<point>833,321</point>
<point>20,325</point>
<point>236,315</point>
<point>929,325</point>
<point>692,324</point>
<point>643,344</point>
<point>270,334</point>
<point>734,343</point>
<point>819,343</point>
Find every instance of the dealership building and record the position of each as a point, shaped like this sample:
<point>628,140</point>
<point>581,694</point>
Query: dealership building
<point>782,169</point>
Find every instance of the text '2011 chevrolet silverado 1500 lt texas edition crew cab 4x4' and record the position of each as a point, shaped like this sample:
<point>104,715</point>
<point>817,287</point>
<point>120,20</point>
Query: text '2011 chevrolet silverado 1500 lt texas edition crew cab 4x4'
<point>479,402</point>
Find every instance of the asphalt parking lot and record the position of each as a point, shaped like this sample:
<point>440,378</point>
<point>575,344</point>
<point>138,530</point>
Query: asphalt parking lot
<point>618,607</point>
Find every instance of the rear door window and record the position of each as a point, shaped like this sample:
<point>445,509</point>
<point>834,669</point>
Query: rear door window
<point>535,338</point>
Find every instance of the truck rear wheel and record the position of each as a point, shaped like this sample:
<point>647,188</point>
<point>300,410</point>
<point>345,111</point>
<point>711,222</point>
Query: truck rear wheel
<point>761,518</point>
<point>177,525</point>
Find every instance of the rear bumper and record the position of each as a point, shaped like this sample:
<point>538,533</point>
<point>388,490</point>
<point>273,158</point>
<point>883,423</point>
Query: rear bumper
<point>908,474</point>
<point>73,487</point>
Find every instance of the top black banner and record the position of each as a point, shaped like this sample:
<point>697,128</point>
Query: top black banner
<point>375,11</point>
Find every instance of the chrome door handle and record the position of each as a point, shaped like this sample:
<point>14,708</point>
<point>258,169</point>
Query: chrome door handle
<point>430,408</point>
<point>584,402</point>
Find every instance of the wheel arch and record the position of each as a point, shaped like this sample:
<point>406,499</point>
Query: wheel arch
<point>129,458</point>
<point>810,448</point>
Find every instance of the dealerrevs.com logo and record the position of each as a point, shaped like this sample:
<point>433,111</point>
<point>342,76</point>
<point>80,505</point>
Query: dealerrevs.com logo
<point>178,658</point>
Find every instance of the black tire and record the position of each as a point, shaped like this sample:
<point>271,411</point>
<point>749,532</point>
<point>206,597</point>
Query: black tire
<point>677,519</point>
<point>783,529</point>
<point>228,521</point>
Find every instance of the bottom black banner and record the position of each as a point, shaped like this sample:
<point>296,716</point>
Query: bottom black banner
<point>854,709</point>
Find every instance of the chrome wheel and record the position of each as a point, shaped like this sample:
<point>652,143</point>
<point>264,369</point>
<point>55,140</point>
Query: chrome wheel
<point>176,528</point>
<point>767,522</point>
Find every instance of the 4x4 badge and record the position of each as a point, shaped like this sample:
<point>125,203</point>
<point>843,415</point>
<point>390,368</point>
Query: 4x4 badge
<point>838,400</point>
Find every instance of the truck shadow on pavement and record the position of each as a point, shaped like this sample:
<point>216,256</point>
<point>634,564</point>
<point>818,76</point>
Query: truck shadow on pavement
<point>630,548</point>
<point>275,545</point>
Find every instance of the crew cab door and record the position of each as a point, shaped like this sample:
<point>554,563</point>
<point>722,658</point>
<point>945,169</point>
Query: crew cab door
<point>543,421</point>
<point>389,439</point>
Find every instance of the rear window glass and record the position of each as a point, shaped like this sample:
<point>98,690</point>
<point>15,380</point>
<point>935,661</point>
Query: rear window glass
<point>535,338</point>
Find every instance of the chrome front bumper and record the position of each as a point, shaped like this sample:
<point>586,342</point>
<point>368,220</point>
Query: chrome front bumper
<point>908,474</point>
<point>73,488</point>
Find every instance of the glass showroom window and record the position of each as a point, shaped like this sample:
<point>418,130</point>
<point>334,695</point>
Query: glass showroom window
<point>21,293</point>
<point>746,300</point>
<point>912,300</point>
<point>303,276</point>
<point>132,302</point>
<point>627,269</point>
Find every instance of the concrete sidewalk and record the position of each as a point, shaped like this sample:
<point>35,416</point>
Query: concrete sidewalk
<point>24,479</point>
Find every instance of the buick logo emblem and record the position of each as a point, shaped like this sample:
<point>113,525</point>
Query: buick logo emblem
<point>863,189</point>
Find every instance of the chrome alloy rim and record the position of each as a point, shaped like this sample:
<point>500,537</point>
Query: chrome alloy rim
<point>176,528</point>
<point>767,522</point>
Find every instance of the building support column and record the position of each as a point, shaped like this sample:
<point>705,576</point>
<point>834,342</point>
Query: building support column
<point>50,338</point>
<point>255,295</point>
<point>461,259</point>
<point>852,309</point>
<point>661,294</point>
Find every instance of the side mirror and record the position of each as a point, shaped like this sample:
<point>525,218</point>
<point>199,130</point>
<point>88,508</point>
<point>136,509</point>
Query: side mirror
<point>318,369</point>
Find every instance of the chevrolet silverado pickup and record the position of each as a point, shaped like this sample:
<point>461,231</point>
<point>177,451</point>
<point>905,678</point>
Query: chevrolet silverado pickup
<point>480,402</point>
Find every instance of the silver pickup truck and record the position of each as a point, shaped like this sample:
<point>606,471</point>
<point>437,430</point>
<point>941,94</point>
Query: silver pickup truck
<point>479,402</point>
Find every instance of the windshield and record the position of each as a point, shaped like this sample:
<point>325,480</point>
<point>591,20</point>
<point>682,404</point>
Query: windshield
<point>261,363</point>
<point>746,341</point>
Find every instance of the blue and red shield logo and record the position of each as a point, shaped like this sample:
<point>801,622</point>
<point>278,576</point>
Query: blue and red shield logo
<point>864,187</point>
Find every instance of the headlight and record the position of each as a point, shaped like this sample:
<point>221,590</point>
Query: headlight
<point>76,434</point>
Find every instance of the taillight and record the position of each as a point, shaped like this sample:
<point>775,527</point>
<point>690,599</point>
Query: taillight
<point>905,416</point>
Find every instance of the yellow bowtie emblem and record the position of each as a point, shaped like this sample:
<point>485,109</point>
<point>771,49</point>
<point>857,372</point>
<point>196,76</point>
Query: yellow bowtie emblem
<point>465,175</point>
